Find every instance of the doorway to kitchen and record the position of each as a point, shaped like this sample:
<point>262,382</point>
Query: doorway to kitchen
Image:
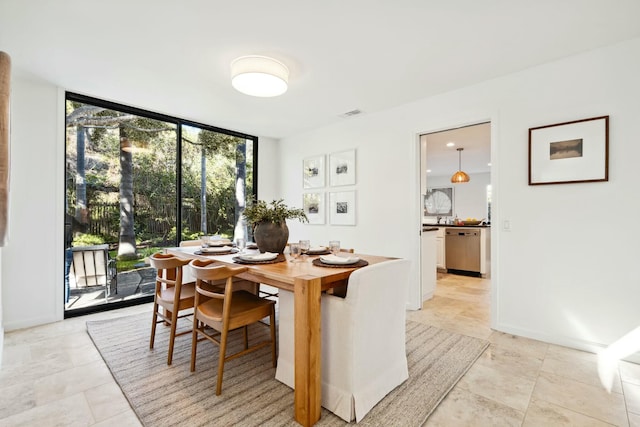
<point>455,203</point>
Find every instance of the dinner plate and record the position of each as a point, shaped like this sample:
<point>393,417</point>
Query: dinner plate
<point>317,250</point>
<point>215,250</point>
<point>218,243</point>
<point>338,260</point>
<point>267,256</point>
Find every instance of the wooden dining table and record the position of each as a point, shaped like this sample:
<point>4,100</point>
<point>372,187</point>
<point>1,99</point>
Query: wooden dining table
<point>307,282</point>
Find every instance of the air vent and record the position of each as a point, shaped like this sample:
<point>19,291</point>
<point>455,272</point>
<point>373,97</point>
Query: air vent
<point>350,113</point>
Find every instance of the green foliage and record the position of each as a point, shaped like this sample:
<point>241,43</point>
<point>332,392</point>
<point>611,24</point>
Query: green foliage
<point>87,240</point>
<point>259,211</point>
<point>154,175</point>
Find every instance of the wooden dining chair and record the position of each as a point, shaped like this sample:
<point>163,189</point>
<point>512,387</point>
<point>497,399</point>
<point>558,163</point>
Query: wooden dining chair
<point>240,284</point>
<point>171,295</point>
<point>226,312</point>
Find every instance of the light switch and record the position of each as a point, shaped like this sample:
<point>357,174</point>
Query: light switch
<point>506,225</point>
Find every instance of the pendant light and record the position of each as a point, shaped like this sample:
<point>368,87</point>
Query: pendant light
<point>460,176</point>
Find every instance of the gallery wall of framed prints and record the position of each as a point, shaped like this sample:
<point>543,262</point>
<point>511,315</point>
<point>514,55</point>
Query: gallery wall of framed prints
<point>341,176</point>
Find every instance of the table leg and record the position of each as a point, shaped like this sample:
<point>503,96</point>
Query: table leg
<point>307,342</point>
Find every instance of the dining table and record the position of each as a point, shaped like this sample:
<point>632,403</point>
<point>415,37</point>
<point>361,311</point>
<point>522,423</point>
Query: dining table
<point>307,280</point>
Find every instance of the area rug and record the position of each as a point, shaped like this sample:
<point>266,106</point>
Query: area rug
<point>164,395</point>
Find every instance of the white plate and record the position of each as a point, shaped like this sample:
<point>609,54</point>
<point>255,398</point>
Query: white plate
<point>317,250</point>
<point>222,242</point>
<point>267,256</point>
<point>338,260</point>
<point>215,250</point>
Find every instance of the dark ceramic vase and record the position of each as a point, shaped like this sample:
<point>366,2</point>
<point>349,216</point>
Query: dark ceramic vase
<point>271,237</point>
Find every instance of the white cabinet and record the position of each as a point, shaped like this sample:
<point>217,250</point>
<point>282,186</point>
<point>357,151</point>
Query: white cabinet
<point>440,249</point>
<point>428,263</point>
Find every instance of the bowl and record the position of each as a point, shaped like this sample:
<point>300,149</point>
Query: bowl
<point>471,222</point>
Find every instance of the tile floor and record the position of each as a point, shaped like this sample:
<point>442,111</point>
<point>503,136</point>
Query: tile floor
<point>519,381</point>
<point>52,375</point>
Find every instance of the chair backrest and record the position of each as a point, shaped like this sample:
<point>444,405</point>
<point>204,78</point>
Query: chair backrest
<point>169,269</point>
<point>89,266</point>
<point>190,243</point>
<point>210,272</point>
<point>347,250</point>
<point>377,296</point>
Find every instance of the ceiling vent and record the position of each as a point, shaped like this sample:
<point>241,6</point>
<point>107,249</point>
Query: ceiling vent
<point>350,113</point>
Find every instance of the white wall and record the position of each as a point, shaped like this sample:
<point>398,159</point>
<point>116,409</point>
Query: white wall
<point>32,260</point>
<point>561,274</point>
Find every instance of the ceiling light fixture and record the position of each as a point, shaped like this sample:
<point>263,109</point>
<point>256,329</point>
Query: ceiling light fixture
<point>259,76</point>
<point>460,177</point>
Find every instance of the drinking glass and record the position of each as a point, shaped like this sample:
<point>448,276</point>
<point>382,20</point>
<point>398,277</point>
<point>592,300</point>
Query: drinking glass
<point>241,244</point>
<point>334,247</point>
<point>294,251</point>
<point>304,246</point>
<point>205,241</point>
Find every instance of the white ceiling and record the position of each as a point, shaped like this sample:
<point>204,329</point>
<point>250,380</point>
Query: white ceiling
<point>173,57</point>
<point>475,156</point>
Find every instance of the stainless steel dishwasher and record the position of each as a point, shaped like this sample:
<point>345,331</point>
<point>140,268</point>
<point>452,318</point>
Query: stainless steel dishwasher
<point>462,247</point>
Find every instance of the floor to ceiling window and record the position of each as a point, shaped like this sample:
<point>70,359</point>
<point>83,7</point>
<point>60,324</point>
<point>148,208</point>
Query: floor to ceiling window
<point>137,182</point>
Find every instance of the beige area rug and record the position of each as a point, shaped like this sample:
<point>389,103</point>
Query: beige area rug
<point>164,395</point>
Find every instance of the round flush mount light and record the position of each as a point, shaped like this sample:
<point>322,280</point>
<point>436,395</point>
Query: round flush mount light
<point>259,76</point>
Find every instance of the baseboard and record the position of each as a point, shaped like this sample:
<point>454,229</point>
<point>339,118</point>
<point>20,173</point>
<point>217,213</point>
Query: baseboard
<point>583,345</point>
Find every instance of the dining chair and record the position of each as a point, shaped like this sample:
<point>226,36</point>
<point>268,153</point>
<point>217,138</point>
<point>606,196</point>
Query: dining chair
<point>363,339</point>
<point>240,284</point>
<point>227,312</point>
<point>171,295</point>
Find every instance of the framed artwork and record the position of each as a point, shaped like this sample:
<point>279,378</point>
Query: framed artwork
<point>313,172</point>
<point>438,202</point>
<point>342,208</point>
<point>570,152</point>
<point>313,206</point>
<point>342,168</point>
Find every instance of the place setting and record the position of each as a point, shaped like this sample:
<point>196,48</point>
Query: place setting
<point>332,258</point>
<point>259,258</point>
<point>214,245</point>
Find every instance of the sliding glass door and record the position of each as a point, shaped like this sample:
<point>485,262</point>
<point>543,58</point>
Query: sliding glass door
<point>137,182</point>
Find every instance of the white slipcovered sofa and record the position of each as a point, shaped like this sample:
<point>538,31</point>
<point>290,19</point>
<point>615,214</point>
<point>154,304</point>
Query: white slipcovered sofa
<point>363,339</point>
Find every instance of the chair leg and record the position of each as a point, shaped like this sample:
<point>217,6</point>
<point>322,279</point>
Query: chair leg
<point>172,335</point>
<point>194,343</point>
<point>223,355</point>
<point>272,326</point>
<point>245,334</point>
<point>153,325</point>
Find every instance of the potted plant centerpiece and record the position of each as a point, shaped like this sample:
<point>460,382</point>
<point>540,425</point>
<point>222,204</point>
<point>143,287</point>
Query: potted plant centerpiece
<point>269,225</point>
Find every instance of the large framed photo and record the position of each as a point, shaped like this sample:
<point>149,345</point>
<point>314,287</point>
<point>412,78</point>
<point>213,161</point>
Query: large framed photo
<point>313,205</point>
<point>342,205</point>
<point>342,168</point>
<point>313,172</point>
<point>570,152</point>
<point>438,202</point>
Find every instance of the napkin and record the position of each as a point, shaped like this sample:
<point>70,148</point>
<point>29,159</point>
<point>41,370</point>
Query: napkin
<point>267,256</point>
<point>219,242</point>
<point>216,249</point>
<point>317,249</point>
<point>334,259</point>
